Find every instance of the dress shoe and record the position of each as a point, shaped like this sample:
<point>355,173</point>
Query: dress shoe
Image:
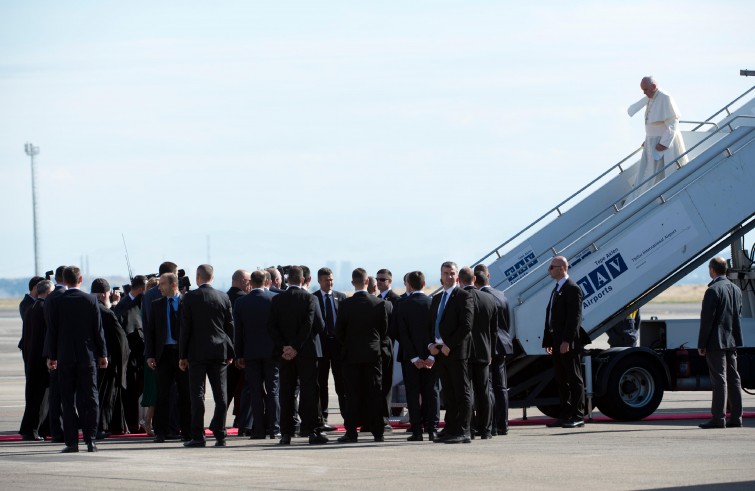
<point>159,439</point>
<point>502,431</point>
<point>317,439</point>
<point>711,424</point>
<point>285,440</point>
<point>32,438</point>
<point>327,427</point>
<point>195,443</point>
<point>733,424</point>
<point>573,423</point>
<point>486,436</point>
<point>432,436</point>
<point>415,438</point>
<point>379,438</point>
<point>71,449</point>
<point>275,435</point>
<point>559,423</point>
<point>220,442</point>
<point>101,435</point>
<point>347,438</point>
<point>457,439</point>
<point>441,437</point>
<point>387,428</point>
<point>91,446</point>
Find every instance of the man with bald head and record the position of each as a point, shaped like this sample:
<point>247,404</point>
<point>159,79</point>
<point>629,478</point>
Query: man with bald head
<point>564,339</point>
<point>663,140</point>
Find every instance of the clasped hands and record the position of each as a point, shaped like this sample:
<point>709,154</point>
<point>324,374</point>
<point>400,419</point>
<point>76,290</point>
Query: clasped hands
<point>289,353</point>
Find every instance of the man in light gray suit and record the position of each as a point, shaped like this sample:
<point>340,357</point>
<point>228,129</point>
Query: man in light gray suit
<point>720,334</point>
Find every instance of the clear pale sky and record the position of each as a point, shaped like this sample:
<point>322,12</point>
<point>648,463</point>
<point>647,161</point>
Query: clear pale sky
<point>391,134</point>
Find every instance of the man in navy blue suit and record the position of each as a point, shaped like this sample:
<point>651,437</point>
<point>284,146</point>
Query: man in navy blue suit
<point>75,341</point>
<point>254,354</point>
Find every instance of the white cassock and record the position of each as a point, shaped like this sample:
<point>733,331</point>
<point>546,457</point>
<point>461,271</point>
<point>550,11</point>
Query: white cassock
<point>661,126</point>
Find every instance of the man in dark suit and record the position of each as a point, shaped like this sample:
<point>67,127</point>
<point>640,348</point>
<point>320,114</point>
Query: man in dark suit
<point>240,286</point>
<point>329,300</point>
<point>131,317</point>
<point>484,328</point>
<point>720,334</point>
<point>74,342</point>
<point>276,280</point>
<point>450,329</point>
<point>296,345</point>
<point>55,413</point>
<point>206,349</point>
<point>564,339</point>
<point>161,335</point>
<point>35,364</point>
<point>28,299</point>
<point>502,346</point>
<point>254,354</point>
<point>111,382</point>
<point>361,325</point>
<point>384,281</point>
<point>410,318</point>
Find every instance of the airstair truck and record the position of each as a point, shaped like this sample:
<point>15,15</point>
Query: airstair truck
<point>623,253</point>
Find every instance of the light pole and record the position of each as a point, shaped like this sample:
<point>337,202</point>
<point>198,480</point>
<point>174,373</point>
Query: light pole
<point>33,151</point>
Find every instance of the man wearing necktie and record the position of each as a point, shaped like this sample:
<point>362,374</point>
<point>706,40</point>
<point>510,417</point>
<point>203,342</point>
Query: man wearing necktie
<point>720,334</point>
<point>329,301</point>
<point>450,334</point>
<point>564,339</point>
<point>161,335</point>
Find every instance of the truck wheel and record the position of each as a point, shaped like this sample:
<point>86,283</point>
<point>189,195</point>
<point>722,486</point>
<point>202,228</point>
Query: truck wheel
<point>634,390</point>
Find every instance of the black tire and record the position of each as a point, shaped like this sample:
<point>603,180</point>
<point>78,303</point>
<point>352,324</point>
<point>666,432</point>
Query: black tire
<point>634,390</point>
<point>552,410</point>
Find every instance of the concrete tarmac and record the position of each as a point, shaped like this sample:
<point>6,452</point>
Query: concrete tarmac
<point>672,454</point>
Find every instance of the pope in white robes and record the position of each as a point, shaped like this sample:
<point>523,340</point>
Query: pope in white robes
<point>663,140</point>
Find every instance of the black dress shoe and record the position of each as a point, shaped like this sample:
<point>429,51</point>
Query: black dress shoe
<point>432,436</point>
<point>559,423</point>
<point>317,439</point>
<point>101,435</point>
<point>327,427</point>
<point>457,439</point>
<point>486,436</point>
<point>347,438</point>
<point>32,438</point>
<point>733,424</point>
<point>285,440</point>
<point>159,439</point>
<point>91,447</point>
<point>220,442</point>
<point>379,438</point>
<point>502,431</point>
<point>71,449</point>
<point>573,423</point>
<point>195,444</point>
<point>273,436</point>
<point>417,437</point>
<point>711,424</point>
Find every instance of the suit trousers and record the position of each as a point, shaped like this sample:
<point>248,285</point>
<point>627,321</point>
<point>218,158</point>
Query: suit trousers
<point>722,365</point>
<point>303,370</point>
<point>331,361</point>
<point>215,371</point>
<point>263,383</point>
<point>386,380</point>
<point>166,374</point>
<point>483,400</point>
<point>422,397</point>
<point>457,393</point>
<point>55,405</point>
<point>500,387</point>
<point>35,412</point>
<point>78,391</point>
<point>364,390</point>
<point>571,386</point>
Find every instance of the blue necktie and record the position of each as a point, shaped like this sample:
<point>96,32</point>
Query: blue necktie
<point>440,314</point>
<point>171,308</point>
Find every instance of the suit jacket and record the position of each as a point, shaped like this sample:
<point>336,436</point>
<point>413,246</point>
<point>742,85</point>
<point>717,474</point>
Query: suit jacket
<point>251,316</point>
<point>156,330</point>
<point>25,305</point>
<point>74,335</point>
<point>391,296</point>
<point>206,326</point>
<point>720,316</point>
<point>234,293</point>
<point>33,335</point>
<point>58,290</point>
<point>455,323</point>
<point>292,315</point>
<point>336,297</point>
<point>503,342</point>
<point>130,316</point>
<point>117,346</point>
<point>361,325</point>
<point>411,316</point>
<point>566,318</point>
<point>484,325</point>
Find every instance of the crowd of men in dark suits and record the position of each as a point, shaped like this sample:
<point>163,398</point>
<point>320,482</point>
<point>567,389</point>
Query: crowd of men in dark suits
<point>269,345</point>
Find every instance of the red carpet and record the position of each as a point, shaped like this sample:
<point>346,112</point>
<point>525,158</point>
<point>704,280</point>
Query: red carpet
<point>12,437</point>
